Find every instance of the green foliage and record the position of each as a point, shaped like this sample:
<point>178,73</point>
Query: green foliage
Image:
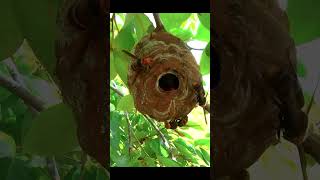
<point>190,144</point>
<point>126,103</point>
<point>38,25</point>
<point>205,19</point>
<point>7,145</point>
<point>134,142</point>
<point>301,69</point>
<point>205,61</point>
<point>58,132</point>
<point>10,35</point>
<point>304,20</point>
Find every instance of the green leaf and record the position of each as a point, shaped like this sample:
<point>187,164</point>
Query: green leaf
<point>168,162</point>
<point>38,24</point>
<point>163,151</point>
<point>155,146</point>
<point>53,132</point>
<point>7,145</point>
<point>187,135</point>
<point>102,174</point>
<point>205,62</point>
<point>115,133</point>
<point>150,162</point>
<point>89,171</point>
<point>183,150</point>
<point>204,19</point>
<point>203,34</point>
<point>112,107</point>
<point>301,69</point>
<point>202,142</point>
<point>141,22</point>
<point>184,35</point>
<point>10,35</point>
<point>124,40</point>
<point>5,164</point>
<point>126,103</point>
<point>122,64</point>
<point>304,20</point>
<point>113,72</point>
<point>19,169</point>
<point>206,155</point>
<point>173,20</point>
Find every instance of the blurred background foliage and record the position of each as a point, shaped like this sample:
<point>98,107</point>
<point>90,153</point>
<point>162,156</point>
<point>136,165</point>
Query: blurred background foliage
<point>29,140</point>
<point>133,140</point>
<point>35,144</point>
<point>282,160</point>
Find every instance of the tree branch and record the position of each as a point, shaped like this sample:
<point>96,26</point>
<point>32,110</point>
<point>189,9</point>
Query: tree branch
<point>116,91</point>
<point>18,89</point>
<point>129,132</point>
<point>52,167</point>
<point>159,24</point>
<point>17,86</point>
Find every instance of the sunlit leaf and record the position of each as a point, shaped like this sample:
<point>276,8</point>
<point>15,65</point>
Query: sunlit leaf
<point>168,162</point>
<point>113,72</point>
<point>205,19</point>
<point>142,24</point>
<point>173,20</point>
<point>202,142</point>
<point>126,103</point>
<point>184,35</point>
<point>203,34</point>
<point>163,151</point>
<point>205,62</point>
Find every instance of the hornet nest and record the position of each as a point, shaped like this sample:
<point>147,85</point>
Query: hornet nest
<point>162,77</point>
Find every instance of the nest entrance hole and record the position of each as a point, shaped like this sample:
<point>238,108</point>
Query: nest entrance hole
<point>168,82</point>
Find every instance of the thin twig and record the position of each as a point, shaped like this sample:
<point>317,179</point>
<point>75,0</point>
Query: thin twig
<point>115,22</point>
<point>191,48</point>
<point>129,132</point>
<point>15,75</point>
<point>116,91</point>
<point>16,86</point>
<point>84,160</point>
<point>147,137</point>
<point>112,30</point>
<point>22,92</point>
<point>163,138</point>
<point>303,161</point>
<point>140,145</point>
<point>159,24</point>
<point>52,167</point>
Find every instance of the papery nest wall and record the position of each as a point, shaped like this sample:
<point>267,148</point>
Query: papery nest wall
<point>163,84</point>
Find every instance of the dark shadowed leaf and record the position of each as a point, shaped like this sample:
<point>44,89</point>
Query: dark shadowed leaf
<point>304,20</point>
<point>53,132</point>
<point>7,145</point>
<point>38,24</point>
<point>10,34</point>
